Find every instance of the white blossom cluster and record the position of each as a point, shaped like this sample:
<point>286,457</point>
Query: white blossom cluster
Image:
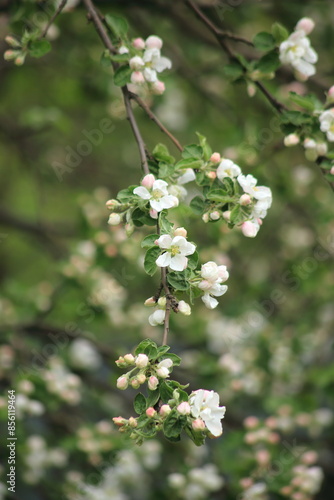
<point>60,381</point>
<point>38,458</point>
<point>297,50</point>
<point>197,484</point>
<point>84,355</point>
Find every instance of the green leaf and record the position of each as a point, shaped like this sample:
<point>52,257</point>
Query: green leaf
<point>197,437</point>
<point>39,48</point>
<point>152,397</point>
<point>173,424</point>
<point>149,240</point>
<point>188,163</point>
<point>307,101</point>
<point>219,195</point>
<point>143,345</point>
<point>117,24</point>
<point>122,75</point>
<point>197,205</point>
<point>193,260</point>
<point>141,218</point>
<point>165,170</point>
<point>161,153</point>
<point>192,151</point>
<point>176,360</point>
<point>183,395</point>
<point>105,59</point>
<point>163,349</point>
<point>207,151</point>
<point>279,32</point>
<point>119,57</point>
<point>166,391</point>
<point>127,194</point>
<point>178,281</point>
<point>233,71</point>
<point>264,41</point>
<point>295,117</point>
<point>139,403</point>
<point>165,225</point>
<point>229,185</point>
<point>149,262</point>
<point>269,62</point>
<point>236,214</point>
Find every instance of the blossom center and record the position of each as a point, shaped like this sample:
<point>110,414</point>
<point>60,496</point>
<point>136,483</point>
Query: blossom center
<point>157,194</point>
<point>174,250</point>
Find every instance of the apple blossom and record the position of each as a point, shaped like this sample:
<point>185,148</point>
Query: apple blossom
<point>184,308</point>
<point>215,158</point>
<point>153,383</point>
<point>212,272</point>
<point>162,369</point>
<point>291,140</point>
<point>122,383</point>
<point>157,195</point>
<point>157,318</point>
<point>188,176</point>
<point>136,63</point>
<point>205,404</point>
<point>177,249</point>
<point>154,63</point>
<point>297,51</point>
<point>327,123</point>
<point>150,412</point>
<point>141,361</point>
<point>248,184</point>
<point>227,168</point>
<point>215,290</point>
<point>184,408</point>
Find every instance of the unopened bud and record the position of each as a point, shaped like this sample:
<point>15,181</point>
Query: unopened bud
<point>158,87</point>
<point>112,204</point>
<point>211,175</point>
<point>153,42</point>
<point>129,359</point>
<point>180,231</point>
<point>141,378</point>
<point>162,372</point>
<point>137,77</point>
<point>120,361</point>
<point>215,215</point>
<point>198,425</point>
<point>245,200</point>
<point>249,229</point>
<point>153,383</point>
<point>119,421</point>
<point>12,41</point>
<point>133,422</point>
<point>20,59</point>
<point>184,408</point>
<point>129,228</point>
<point>136,63</point>
<point>184,308</point>
<point>330,95</point>
<point>150,412</point>
<point>138,43</point>
<point>150,302</point>
<point>162,302</point>
<point>141,361</point>
<point>114,219</point>
<point>165,410</point>
<point>306,24</point>
<point>153,213</point>
<point>9,55</point>
<point>215,158</point>
<point>122,383</point>
<point>148,181</point>
<point>205,218</point>
<point>291,140</point>
<point>322,148</point>
<point>331,171</point>
<point>135,383</point>
<point>123,50</point>
<point>227,215</point>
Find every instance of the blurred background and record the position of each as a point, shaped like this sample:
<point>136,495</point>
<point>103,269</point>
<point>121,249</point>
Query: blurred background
<point>73,288</point>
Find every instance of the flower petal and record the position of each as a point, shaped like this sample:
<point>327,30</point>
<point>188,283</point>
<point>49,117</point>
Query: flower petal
<point>178,263</point>
<point>165,241</point>
<point>142,192</point>
<point>164,260</point>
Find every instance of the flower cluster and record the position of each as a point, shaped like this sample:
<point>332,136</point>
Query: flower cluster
<point>212,276</point>
<point>167,407</point>
<point>297,50</point>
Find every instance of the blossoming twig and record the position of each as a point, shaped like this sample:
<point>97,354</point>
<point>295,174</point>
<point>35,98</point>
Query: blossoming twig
<point>53,18</point>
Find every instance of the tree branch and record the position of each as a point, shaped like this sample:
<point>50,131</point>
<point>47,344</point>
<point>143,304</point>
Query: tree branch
<point>53,18</point>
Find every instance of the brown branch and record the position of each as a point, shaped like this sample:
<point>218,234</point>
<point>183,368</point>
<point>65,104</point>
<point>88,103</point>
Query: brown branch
<point>53,18</point>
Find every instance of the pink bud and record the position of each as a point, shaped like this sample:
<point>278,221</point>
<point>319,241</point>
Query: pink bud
<point>133,422</point>
<point>251,422</point>
<point>135,383</point>
<point>227,215</point>
<point>138,43</point>
<point>215,158</point>
<point>12,41</point>
<point>148,181</point>
<point>165,410</point>
<point>291,140</point>
<point>158,87</point>
<point>153,383</point>
<point>150,302</point>
<point>198,425</point>
<point>153,213</point>
<point>119,421</point>
<point>249,229</point>
<point>153,42</point>
<point>112,204</point>
<point>120,361</point>
<point>262,456</point>
<point>332,171</point>
<point>180,231</point>
<point>245,199</point>
<point>122,383</point>
<point>271,422</point>
<point>137,77</point>
<point>215,215</point>
<point>273,438</point>
<point>246,482</point>
<point>306,24</point>
<point>141,378</point>
<point>310,457</point>
<point>129,359</point>
<point>150,412</point>
<point>211,175</point>
<point>184,408</point>
<point>331,91</point>
<point>141,361</point>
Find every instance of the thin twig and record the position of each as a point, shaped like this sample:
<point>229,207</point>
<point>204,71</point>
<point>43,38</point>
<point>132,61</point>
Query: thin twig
<point>168,305</point>
<point>53,18</point>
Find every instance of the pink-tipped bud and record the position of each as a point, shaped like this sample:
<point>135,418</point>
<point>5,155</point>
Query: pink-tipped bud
<point>249,229</point>
<point>122,383</point>
<point>129,359</point>
<point>262,457</point>
<point>331,171</point>
<point>120,361</point>
<point>138,43</point>
<point>215,158</point>
<point>251,422</point>
<point>291,140</point>
<point>141,361</point>
<point>9,55</point>
<point>12,41</point>
<point>150,412</point>
<point>180,231</point>
<point>184,408</point>
<point>245,200</point>
<point>198,425</point>
<point>133,422</point>
<point>215,215</point>
<point>141,377</point>
<point>271,422</point>
<point>205,218</point>
<point>306,24</point>
<point>184,308</point>
<point>137,77</point>
<point>165,410</point>
<point>153,42</point>
<point>129,228</point>
<point>246,482</point>
<point>227,215</point>
<point>211,175</point>
<point>114,219</point>
<point>153,213</point>
<point>136,63</point>
<point>148,181</point>
<point>158,87</point>
<point>150,302</point>
<point>112,204</point>
<point>119,421</point>
<point>273,438</point>
<point>135,384</point>
<point>153,383</point>
<point>20,59</point>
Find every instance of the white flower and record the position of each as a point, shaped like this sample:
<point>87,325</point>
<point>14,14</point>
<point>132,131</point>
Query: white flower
<point>263,193</point>
<point>297,51</point>
<point>123,50</point>
<point>250,228</point>
<point>188,176</point>
<point>157,318</point>
<point>327,123</point>
<point>136,63</point>
<point>83,354</point>
<point>154,63</point>
<point>177,250</point>
<point>114,219</point>
<point>205,404</point>
<point>216,289</point>
<point>212,275</point>
<point>163,368</point>
<point>212,272</point>
<point>158,195</point>
<point>227,168</point>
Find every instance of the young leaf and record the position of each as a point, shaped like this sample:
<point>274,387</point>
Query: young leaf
<point>207,151</point>
<point>269,62</point>
<point>233,70</point>
<point>126,195</point>
<point>39,48</point>
<point>197,205</point>
<point>304,101</point>
<point>192,151</point>
<point>161,153</point>
<point>193,260</point>
<point>165,225</point>
<point>279,32</point>
<point>143,345</point>
<point>117,24</point>
<point>166,391</point>
<point>176,359</point>
<point>149,262</point>
<point>236,214</point>
<point>149,240</point>
<point>178,281</point>
<point>188,163</point>
<point>152,397</point>
<point>139,403</point>
<point>264,41</point>
<point>122,76</point>
<point>165,170</point>
<point>173,425</point>
<point>219,195</point>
